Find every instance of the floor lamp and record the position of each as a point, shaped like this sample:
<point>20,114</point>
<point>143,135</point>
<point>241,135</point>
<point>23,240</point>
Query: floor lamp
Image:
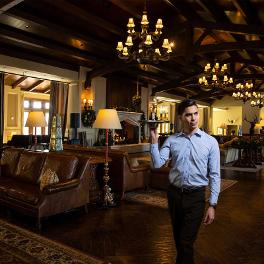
<point>34,120</point>
<point>107,119</point>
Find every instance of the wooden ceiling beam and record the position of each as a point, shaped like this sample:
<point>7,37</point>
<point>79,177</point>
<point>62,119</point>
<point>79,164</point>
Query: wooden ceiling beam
<point>21,53</point>
<point>172,84</point>
<point>46,25</point>
<point>107,69</point>
<point>18,81</point>
<point>127,8</point>
<point>8,4</point>
<point>33,42</point>
<point>229,27</point>
<point>252,76</point>
<point>184,8</point>
<point>88,17</point>
<point>227,46</point>
<point>244,61</point>
<point>246,9</point>
<point>33,87</point>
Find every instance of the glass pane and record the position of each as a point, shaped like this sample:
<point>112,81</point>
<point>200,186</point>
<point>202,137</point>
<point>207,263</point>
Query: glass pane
<point>25,129</point>
<point>47,120</point>
<point>26,104</point>
<point>47,105</point>
<point>38,130</point>
<point>37,105</point>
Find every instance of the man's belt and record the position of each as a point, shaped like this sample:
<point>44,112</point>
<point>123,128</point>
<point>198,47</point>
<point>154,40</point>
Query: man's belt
<point>189,189</point>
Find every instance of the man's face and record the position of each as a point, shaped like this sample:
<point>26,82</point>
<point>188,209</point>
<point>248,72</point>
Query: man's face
<point>190,118</point>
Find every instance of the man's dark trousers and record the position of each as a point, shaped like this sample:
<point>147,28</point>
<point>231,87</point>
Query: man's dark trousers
<point>186,209</point>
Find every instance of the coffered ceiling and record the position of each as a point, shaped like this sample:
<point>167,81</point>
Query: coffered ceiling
<point>71,33</point>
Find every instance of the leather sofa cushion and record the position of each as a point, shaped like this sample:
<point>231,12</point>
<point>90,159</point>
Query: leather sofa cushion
<point>64,165</point>
<point>29,166</point>
<point>9,161</point>
<point>12,189</point>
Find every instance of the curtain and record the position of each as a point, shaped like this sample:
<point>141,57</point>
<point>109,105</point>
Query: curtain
<point>2,86</point>
<point>58,103</point>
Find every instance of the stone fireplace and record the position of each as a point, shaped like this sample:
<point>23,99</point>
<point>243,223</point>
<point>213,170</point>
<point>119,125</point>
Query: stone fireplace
<point>131,131</point>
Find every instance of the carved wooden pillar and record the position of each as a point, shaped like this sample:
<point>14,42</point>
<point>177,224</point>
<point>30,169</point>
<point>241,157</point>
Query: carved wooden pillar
<point>2,86</point>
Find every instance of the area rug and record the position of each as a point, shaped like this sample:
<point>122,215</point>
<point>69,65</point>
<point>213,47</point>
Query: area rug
<point>19,246</point>
<point>159,198</point>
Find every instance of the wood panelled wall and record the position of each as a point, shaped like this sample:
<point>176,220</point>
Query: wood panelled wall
<point>119,93</point>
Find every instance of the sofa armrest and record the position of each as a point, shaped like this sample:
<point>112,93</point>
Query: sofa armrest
<point>61,186</point>
<point>140,167</point>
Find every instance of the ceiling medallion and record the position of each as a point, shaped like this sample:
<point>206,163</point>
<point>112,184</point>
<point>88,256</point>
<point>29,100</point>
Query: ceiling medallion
<point>145,47</point>
<point>244,91</point>
<point>259,100</point>
<point>215,77</point>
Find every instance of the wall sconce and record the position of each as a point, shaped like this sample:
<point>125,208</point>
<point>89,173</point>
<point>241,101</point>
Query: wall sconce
<point>87,99</point>
<point>88,114</point>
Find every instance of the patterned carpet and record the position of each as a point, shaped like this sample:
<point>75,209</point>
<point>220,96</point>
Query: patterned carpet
<point>159,199</point>
<point>19,246</point>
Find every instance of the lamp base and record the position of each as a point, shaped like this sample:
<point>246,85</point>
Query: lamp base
<point>108,199</point>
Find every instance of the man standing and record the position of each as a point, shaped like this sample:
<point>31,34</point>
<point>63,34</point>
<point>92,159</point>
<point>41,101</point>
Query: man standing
<point>195,163</point>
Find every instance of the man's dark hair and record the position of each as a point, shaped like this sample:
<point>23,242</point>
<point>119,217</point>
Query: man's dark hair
<point>184,104</point>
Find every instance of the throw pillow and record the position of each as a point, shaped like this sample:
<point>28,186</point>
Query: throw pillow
<point>134,162</point>
<point>47,178</point>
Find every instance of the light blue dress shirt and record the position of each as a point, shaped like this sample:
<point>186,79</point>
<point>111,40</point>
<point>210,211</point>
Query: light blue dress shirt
<point>195,161</point>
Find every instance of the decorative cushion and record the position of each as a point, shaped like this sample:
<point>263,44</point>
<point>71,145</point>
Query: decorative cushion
<point>134,162</point>
<point>47,178</point>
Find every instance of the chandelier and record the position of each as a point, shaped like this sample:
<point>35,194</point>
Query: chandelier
<point>215,77</point>
<point>259,100</point>
<point>243,91</point>
<point>146,47</point>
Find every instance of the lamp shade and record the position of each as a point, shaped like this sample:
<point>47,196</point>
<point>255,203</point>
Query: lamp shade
<point>36,119</point>
<point>107,119</point>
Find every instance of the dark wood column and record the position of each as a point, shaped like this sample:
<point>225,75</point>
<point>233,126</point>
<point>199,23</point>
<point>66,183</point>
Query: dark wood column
<point>2,85</point>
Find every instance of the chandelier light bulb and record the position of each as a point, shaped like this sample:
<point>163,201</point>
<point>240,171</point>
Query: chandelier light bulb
<point>148,40</point>
<point>144,20</point>
<point>125,51</point>
<point>129,41</point>
<point>131,23</point>
<point>157,51</point>
<point>165,44</point>
<point>159,24</point>
<point>119,46</point>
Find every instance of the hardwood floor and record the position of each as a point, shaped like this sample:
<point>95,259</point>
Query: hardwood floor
<point>141,234</point>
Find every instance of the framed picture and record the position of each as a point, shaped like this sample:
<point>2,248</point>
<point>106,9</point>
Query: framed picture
<point>220,131</point>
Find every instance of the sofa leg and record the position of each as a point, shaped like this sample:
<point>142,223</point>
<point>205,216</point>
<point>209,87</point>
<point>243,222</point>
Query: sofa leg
<point>39,224</point>
<point>85,207</point>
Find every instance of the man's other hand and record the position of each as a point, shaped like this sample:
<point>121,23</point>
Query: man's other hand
<point>154,136</point>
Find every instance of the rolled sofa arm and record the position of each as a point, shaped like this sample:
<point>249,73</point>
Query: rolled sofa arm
<point>61,186</point>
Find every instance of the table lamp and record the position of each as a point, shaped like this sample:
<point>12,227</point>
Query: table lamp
<point>107,119</point>
<point>34,120</point>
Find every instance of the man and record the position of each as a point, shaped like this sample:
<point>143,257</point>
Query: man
<point>195,163</point>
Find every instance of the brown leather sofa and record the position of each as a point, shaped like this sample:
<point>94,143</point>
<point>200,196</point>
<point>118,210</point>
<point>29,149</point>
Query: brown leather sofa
<point>124,174</point>
<point>19,182</point>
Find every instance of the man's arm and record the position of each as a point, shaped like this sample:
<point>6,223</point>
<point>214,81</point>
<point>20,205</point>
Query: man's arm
<point>158,157</point>
<point>214,182</point>
<point>214,172</point>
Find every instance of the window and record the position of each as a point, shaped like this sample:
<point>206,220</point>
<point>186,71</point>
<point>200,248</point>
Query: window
<point>35,105</point>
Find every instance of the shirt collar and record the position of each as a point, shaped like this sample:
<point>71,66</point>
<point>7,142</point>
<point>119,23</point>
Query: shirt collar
<point>198,133</point>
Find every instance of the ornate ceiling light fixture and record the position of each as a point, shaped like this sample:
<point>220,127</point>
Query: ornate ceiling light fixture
<point>243,91</point>
<point>215,77</point>
<point>145,47</point>
<point>259,102</point>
